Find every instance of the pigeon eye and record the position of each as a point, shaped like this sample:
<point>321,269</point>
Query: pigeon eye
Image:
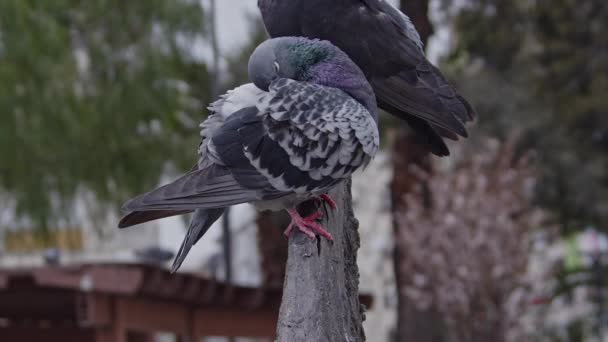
<point>277,67</point>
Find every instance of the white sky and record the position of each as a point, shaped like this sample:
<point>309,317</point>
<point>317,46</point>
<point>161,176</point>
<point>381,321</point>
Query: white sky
<point>232,22</point>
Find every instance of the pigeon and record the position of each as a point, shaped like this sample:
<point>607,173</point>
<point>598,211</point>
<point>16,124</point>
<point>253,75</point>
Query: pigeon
<point>306,122</point>
<point>154,255</point>
<point>52,257</point>
<point>384,43</point>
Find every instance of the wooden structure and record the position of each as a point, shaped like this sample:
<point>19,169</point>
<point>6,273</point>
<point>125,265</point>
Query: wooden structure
<point>130,303</point>
<point>124,303</point>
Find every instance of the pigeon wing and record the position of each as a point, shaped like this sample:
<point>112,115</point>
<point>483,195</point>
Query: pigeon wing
<point>213,187</point>
<point>387,47</point>
<point>304,138</point>
<point>301,138</point>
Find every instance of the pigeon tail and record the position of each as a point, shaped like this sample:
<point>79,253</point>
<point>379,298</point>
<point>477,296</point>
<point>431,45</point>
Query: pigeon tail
<point>199,225</point>
<point>138,217</point>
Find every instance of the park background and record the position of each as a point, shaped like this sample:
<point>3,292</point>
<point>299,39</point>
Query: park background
<point>502,241</point>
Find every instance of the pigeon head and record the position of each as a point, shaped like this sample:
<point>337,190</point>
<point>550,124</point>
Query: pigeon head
<point>309,60</point>
<point>287,57</point>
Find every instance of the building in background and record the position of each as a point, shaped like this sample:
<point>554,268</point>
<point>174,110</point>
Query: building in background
<point>90,245</point>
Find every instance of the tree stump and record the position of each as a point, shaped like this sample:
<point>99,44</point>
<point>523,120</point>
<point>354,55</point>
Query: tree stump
<point>321,289</point>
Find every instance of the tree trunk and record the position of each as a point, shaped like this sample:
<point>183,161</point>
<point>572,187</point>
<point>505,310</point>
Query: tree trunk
<point>321,290</point>
<point>418,11</point>
<point>272,246</point>
<point>412,325</point>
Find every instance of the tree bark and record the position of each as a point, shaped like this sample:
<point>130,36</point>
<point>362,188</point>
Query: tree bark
<point>418,11</point>
<point>272,246</point>
<point>321,289</point>
<point>412,324</point>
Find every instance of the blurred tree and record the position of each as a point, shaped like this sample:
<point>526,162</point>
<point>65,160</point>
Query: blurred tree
<point>572,81</point>
<point>466,255</point>
<point>96,95</point>
<point>413,323</point>
<point>541,67</point>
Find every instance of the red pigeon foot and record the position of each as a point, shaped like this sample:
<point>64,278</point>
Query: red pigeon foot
<point>329,201</point>
<point>306,225</point>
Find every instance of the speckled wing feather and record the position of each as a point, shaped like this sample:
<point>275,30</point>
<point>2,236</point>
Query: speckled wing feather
<point>303,138</point>
<point>300,139</point>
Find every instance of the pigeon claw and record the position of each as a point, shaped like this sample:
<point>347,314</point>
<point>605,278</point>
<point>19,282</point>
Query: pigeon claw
<point>306,225</point>
<point>329,201</point>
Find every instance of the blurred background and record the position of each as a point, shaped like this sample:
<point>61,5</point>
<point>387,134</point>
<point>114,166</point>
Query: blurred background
<point>503,241</point>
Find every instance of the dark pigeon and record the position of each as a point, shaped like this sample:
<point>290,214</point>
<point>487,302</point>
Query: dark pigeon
<point>386,46</point>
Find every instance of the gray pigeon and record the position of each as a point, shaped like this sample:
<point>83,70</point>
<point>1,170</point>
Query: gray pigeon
<point>308,121</point>
<point>386,46</point>
<point>154,255</point>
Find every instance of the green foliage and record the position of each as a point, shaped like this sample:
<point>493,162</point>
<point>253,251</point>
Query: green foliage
<point>572,81</point>
<point>97,95</point>
<point>541,68</point>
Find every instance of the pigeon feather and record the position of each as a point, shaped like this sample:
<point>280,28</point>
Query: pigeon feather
<point>384,43</point>
<point>307,123</point>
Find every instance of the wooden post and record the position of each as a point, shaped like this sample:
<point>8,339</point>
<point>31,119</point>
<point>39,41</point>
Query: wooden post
<point>115,331</point>
<point>321,290</point>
